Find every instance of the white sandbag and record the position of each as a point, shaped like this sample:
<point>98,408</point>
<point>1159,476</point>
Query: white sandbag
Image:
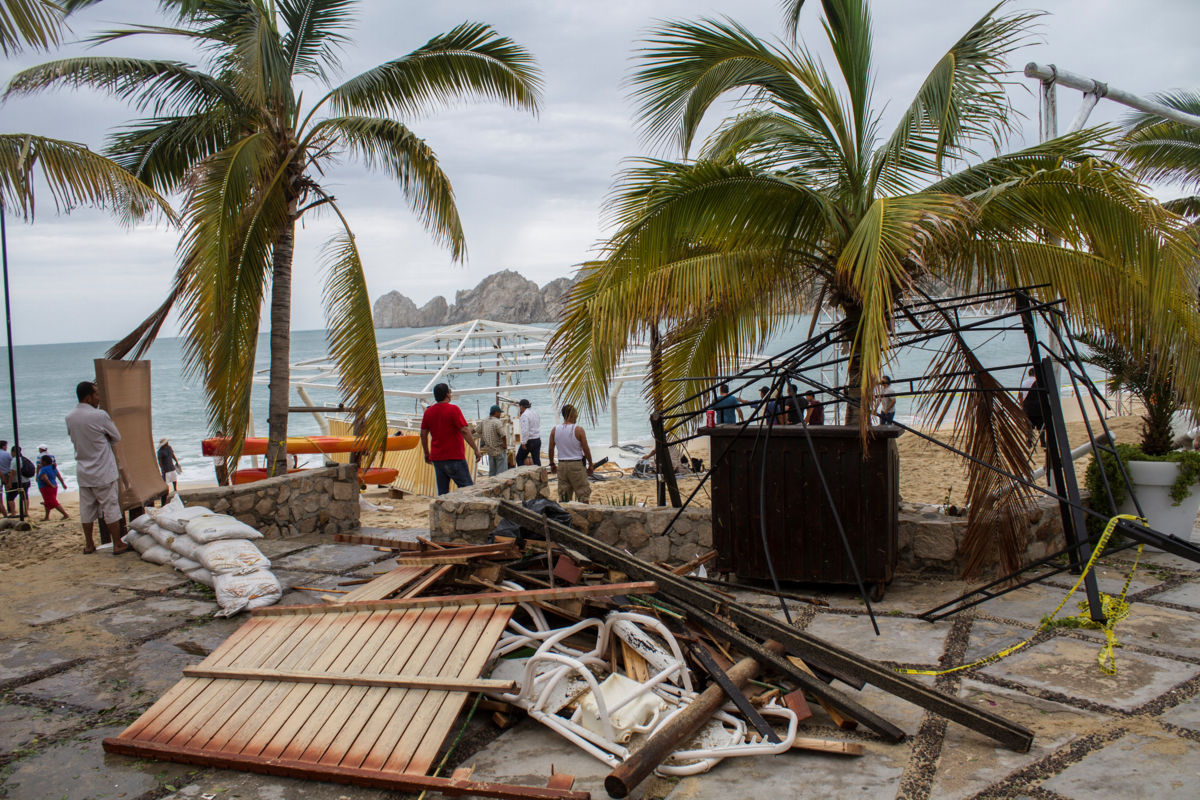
<point>132,538</point>
<point>174,517</point>
<point>219,526</point>
<point>201,575</point>
<point>249,590</point>
<point>142,523</point>
<point>157,554</point>
<point>227,556</point>
<point>186,546</point>
<point>161,535</point>
<point>183,564</point>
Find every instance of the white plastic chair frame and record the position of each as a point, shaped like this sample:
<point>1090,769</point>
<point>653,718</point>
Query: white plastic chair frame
<point>554,662</point>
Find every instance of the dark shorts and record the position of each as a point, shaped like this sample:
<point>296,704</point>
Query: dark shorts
<point>446,471</point>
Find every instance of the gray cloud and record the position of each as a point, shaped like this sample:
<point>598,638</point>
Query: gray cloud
<point>530,190</point>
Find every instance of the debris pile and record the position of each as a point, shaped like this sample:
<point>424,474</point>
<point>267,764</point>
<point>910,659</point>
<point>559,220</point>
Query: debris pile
<point>637,664</point>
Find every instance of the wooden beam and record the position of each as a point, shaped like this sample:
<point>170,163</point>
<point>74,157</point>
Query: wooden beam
<point>352,679</point>
<point>395,781</point>
<point>485,598</point>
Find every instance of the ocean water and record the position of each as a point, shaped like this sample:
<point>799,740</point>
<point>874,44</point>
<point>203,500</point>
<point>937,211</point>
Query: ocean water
<point>46,376</point>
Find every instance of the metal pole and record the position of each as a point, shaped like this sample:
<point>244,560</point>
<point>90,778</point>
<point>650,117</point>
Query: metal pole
<point>12,372</point>
<point>1049,73</point>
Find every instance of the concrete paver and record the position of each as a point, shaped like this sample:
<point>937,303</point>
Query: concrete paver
<point>1069,666</point>
<point>153,615</point>
<point>1186,595</point>
<point>330,557</point>
<point>1143,763</point>
<point>1156,628</point>
<point>21,726</point>
<point>230,785</point>
<point>899,639</point>
<point>1185,715</point>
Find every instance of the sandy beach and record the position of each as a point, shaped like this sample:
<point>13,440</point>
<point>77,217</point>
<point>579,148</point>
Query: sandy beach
<point>928,474</point>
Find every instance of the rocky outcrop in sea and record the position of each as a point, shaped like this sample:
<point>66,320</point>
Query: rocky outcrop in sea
<point>504,296</point>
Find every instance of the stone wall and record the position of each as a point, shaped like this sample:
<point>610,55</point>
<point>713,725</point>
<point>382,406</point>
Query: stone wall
<point>929,541</point>
<point>317,500</point>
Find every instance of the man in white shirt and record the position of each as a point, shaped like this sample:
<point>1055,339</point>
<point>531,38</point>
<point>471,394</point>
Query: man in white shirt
<point>531,435</point>
<point>92,432</point>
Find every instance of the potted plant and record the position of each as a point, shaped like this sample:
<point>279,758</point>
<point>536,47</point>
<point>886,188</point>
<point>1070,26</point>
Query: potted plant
<point>1164,479</point>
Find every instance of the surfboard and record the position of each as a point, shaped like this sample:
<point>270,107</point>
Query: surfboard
<point>307,445</point>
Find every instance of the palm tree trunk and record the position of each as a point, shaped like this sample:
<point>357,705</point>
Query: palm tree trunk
<point>853,314</point>
<point>281,346</point>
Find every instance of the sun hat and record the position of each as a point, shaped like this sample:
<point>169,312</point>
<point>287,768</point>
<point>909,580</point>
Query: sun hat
<point>43,448</point>
<point>162,442</point>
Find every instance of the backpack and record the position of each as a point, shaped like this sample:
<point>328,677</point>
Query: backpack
<point>27,468</point>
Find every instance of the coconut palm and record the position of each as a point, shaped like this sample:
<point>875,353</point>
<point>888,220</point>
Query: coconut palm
<point>1163,150</point>
<point>802,201</point>
<point>236,137</point>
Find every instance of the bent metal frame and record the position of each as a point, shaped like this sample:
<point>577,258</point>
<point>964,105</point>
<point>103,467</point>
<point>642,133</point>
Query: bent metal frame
<point>930,320</point>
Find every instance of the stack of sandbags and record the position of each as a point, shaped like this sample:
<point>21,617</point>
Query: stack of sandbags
<point>213,549</point>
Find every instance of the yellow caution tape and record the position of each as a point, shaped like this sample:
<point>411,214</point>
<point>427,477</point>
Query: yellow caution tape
<point>1114,609</point>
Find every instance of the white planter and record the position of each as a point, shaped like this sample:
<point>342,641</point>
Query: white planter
<point>1152,481</point>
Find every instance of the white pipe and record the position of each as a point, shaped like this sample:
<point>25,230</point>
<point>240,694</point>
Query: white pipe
<point>1051,73</point>
<point>1076,454</point>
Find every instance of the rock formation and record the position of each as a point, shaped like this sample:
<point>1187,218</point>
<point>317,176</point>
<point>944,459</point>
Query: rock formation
<point>503,296</point>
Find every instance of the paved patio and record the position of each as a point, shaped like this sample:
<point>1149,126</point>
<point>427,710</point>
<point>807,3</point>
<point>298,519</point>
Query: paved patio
<point>80,666</point>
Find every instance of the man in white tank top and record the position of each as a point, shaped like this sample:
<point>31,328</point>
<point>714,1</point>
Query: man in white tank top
<point>574,458</point>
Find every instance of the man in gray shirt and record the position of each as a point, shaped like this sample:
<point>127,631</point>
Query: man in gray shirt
<point>92,432</point>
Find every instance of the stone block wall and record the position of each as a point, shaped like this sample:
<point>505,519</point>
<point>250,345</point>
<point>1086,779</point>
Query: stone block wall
<point>317,500</point>
<point>472,513</point>
<point>930,542</point>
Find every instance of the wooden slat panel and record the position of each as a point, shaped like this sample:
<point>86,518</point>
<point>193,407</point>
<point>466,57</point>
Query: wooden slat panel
<point>429,653</point>
<point>304,725</point>
<point>446,711</point>
<point>408,725</point>
<point>268,639</point>
<point>245,723</point>
<point>355,705</point>
<point>318,707</point>
<point>283,648</point>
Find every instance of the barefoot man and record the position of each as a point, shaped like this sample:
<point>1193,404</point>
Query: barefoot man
<point>92,432</point>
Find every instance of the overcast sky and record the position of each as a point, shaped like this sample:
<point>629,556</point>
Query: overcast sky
<point>530,189</point>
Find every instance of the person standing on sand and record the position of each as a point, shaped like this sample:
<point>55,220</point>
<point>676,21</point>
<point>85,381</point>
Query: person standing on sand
<point>92,432</point>
<point>531,435</point>
<point>494,442</point>
<point>168,464</point>
<point>20,474</point>
<point>5,468</point>
<point>574,455</point>
<point>48,477</point>
<point>443,422</point>
<point>44,450</point>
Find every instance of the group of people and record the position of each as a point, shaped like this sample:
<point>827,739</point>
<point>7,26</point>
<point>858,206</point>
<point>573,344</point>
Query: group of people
<point>446,436</point>
<point>793,408</point>
<point>18,472</point>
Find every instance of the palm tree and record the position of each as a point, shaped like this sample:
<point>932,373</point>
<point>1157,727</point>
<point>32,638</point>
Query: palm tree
<point>1163,150</point>
<point>249,155</point>
<point>800,201</point>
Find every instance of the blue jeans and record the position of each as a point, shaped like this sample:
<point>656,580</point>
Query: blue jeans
<point>446,471</point>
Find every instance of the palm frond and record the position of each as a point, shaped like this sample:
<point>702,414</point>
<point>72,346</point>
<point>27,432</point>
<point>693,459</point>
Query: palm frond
<point>36,24</point>
<point>962,103</point>
<point>989,426</point>
<point>316,30</point>
<point>75,176</point>
<point>391,147</point>
<point>162,150</point>
<point>255,61</point>
<point>847,25</point>
<point>149,84</point>
<point>1162,150</point>
<point>351,336</point>
<point>470,60</point>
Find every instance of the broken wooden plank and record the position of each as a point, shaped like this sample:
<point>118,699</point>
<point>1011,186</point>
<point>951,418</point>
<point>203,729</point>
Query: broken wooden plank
<point>842,722</point>
<point>695,563</point>
<point>734,693</point>
<point>486,598</point>
<point>401,681</point>
<point>829,746</point>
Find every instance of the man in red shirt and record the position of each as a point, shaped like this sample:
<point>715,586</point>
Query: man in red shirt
<point>445,424</point>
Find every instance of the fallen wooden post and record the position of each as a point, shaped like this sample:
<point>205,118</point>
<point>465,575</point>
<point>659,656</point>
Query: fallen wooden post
<point>681,727</point>
<point>353,679</point>
<point>696,597</point>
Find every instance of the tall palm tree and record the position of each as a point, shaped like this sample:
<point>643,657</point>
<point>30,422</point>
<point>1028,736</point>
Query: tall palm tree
<point>249,155</point>
<point>802,201</point>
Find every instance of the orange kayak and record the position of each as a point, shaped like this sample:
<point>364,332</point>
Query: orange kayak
<point>307,445</point>
<point>376,476</point>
